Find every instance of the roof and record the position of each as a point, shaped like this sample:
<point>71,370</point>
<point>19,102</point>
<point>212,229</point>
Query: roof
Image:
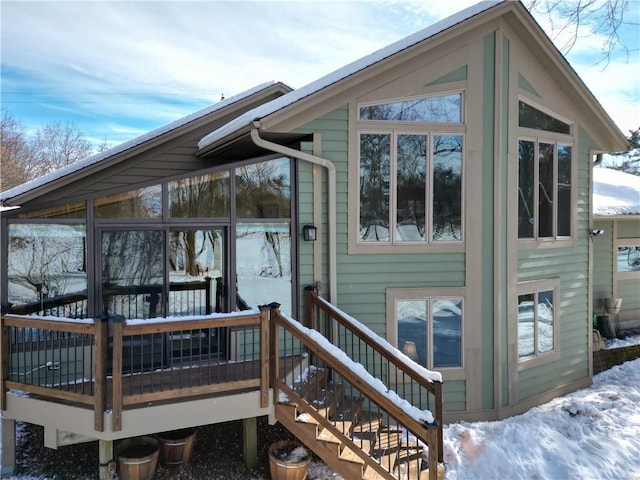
<point>246,120</point>
<point>615,192</point>
<point>607,129</point>
<point>128,145</point>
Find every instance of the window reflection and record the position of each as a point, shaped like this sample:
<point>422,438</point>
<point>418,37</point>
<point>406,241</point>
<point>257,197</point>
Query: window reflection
<point>629,258</point>
<point>140,203</point>
<point>47,263</point>
<point>439,109</point>
<point>133,273</point>
<point>375,164</point>
<point>263,265</point>
<point>200,196</point>
<point>196,266</point>
<point>411,189</point>
<point>531,117</point>
<point>263,190</point>
<point>69,210</point>
<point>447,187</point>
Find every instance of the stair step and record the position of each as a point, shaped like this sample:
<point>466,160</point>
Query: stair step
<point>368,425</point>
<point>349,455</point>
<point>327,436</point>
<point>388,440</point>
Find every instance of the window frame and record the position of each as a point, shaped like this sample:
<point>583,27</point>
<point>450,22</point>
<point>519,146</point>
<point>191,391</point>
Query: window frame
<point>624,242</point>
<point>535,287</point>
<point>394,130</point>
<point>393,295</point>
<point>539,136</point>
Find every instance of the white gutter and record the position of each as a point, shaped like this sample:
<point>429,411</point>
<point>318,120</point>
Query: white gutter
<point>331,172</point>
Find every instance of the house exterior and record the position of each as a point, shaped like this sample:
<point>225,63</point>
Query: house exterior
<point>447,177</point>
<point>616,215</point>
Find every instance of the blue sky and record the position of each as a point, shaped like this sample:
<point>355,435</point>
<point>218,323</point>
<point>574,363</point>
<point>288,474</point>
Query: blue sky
<point>118,69</point>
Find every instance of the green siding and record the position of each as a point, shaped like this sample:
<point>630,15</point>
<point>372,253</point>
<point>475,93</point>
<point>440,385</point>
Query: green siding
<point>363,279</point>
<point>571,266</point>
<point>602,265</point>
<point>457,75</point>
<point>525,85</point>
<point>454,396</point>
<point>629,291</point>
<point>629,229</point>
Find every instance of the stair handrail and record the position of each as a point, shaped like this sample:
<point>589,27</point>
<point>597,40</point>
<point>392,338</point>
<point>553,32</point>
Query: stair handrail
<point>416,372</point>
<point>425,431</point>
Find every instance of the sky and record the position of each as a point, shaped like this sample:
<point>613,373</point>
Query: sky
<point>118,69</point>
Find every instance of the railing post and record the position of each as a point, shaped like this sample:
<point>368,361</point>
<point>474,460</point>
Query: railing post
<point>101,342</point>
<point>274,350</point>
<point>4,352</point>
<point>265,357</point>
<point>116,372</point>
<point>434,453</point>
<point>309,316</point>
<point>437,386</point>
<point>207,295</point>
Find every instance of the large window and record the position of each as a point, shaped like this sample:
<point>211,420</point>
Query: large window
<point>545,179</point>
<point>537,319</point>
<point>47,268</point>
<point>428,328</point>
<point>410,171</point>
<point>410,187</point>
<point>628,258</point>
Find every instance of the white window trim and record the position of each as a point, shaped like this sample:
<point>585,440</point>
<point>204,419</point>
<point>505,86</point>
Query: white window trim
<point>439,293</point>
<point>535,286</point>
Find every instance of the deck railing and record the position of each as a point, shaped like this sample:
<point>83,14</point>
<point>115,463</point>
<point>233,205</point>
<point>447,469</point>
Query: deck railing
<point>378,357</point>
<point>380,410</point>
<point>110,364</point>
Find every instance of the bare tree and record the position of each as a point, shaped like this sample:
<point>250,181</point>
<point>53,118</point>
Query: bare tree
<point>15,153</point>
<point>604,17</point>
<point>59,144</point>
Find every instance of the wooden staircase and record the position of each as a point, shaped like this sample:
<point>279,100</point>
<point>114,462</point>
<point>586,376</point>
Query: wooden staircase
<point>356,442</point>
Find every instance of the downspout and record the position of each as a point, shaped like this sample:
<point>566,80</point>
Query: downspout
<point>331,172</point>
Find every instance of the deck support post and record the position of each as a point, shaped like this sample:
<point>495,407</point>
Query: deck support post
<point>8,459</point>
<point>250,441</point>
<point>107,462</point>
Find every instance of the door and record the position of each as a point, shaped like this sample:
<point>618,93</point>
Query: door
<point>174,272</point>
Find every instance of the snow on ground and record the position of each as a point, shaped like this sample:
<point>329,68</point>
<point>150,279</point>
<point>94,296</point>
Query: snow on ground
<point>592,433</point>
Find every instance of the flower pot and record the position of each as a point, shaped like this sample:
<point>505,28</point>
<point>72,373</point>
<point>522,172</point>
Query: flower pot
<point>288,460</point>
<point>612,305</point>
<point>176,446</point>
<point>138,458</point>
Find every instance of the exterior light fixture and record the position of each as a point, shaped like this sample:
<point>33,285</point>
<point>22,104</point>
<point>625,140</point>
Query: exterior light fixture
<point>310,233</point>
<point>595,231</point>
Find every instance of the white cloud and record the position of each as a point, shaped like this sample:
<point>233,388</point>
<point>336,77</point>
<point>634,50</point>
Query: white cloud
<point>116,59</point>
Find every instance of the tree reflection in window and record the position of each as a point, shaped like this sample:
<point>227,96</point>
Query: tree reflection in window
<point>375,161</point>
<point>140,203</point>
<point>263,190</point>
<point>47,261</point>
<point>200,196</point>
<point>447,187</point>
<point>438,109</point>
